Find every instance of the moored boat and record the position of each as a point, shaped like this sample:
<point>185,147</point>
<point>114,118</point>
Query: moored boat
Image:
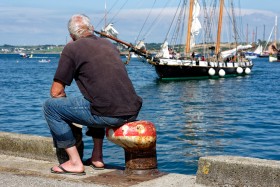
<point>44,61</point>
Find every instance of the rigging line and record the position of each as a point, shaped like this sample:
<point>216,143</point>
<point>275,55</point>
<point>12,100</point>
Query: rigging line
<point>233,22</point>
<point>209,21</point>
<point>237,32</point>
<point>145,21</point>
<point>172,21</point>
<point>111,20</point>
<point>181,37</point>
<point>153,24</point>
<point>209,13</point>
<point>103,18</point>
<point>178,25</point>
<point>241,29</point>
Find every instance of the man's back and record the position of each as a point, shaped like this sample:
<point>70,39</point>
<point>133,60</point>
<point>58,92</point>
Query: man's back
<point>101,76</point>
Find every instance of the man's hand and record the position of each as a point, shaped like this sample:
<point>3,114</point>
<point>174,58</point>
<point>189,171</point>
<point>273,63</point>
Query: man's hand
<point>57,90</point>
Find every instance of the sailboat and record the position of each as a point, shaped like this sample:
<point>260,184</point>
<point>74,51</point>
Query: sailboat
<point>170,64</point>
<point>274,53</point>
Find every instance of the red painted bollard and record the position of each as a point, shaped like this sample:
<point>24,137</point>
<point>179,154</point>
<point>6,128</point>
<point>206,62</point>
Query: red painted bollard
<point>138,139</point>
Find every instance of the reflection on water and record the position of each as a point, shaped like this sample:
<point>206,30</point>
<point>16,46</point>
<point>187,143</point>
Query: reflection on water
<point>232,116</point>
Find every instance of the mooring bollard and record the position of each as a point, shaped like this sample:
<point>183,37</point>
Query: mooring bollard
<point>138,139</point>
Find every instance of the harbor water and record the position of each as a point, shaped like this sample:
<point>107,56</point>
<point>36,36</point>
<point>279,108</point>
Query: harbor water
<point>193,118</point>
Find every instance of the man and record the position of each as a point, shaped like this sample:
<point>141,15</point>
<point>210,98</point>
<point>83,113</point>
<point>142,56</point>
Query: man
<point>109,99</point>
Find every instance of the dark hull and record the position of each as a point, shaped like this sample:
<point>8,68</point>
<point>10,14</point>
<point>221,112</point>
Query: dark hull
<point>194,72</point>
<point>263,56</point>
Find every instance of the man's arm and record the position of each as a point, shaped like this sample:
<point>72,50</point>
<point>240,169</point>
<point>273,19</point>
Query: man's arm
<point>57,89</point>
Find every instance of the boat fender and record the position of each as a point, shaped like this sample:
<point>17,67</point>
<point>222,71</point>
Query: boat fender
<point>247,71</point>
<point>239,70</point>
<point>211,72</point>
<point>222,73</point>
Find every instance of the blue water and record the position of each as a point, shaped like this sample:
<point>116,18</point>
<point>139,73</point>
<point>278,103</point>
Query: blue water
<point>232,116</point>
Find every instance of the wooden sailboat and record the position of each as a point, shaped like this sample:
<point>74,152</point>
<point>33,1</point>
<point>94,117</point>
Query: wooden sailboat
<point>172,65</point>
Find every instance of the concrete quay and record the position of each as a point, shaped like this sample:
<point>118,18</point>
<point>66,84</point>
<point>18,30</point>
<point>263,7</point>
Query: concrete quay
<point>25,160</point>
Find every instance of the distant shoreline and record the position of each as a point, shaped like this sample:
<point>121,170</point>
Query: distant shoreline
<point>39,53</point>
<point>40,49</point>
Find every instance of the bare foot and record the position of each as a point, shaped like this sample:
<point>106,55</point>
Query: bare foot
<point>68,166</point>
<point>98,164</point>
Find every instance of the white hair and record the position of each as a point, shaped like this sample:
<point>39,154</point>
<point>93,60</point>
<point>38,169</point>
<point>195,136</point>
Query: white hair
<point>79,26</point>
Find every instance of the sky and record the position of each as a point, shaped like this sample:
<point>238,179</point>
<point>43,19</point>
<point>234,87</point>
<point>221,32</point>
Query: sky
<point>38,22</point>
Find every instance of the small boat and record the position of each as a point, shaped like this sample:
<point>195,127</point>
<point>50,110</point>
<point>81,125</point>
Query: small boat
<point>264,54</point>
<point>24,55</point>
<point>44,61</point>
<point>251,55</point>
<point>256,53</point>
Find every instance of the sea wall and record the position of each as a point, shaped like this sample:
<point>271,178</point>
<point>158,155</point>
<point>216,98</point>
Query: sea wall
<point>29,146</point>
<point>238,171</point>
<point>212,170</point>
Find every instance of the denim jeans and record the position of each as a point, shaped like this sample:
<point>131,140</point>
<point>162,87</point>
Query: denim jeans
<point>61,112</point>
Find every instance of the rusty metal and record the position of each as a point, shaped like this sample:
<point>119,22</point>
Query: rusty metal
<point>141,162</point>
<point>120,178</point>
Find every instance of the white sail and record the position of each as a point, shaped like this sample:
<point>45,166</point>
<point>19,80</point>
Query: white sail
<point>110,30</point>
<point>258,50</point>
<point>164,52</point>
<point>140,45</point>
<point>196,26</point>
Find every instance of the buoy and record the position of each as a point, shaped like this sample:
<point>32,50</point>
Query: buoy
<point>138,139</point>
<point>222,73</point>
<point>247,71</point>
<point>211,72</point>
<point>239,70</point>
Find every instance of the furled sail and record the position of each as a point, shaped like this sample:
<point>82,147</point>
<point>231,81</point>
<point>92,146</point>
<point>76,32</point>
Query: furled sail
<point>164,52</point>
<point>196,26</point>
<point>232,52</point>
<point>110,30</point>
<point>140,45</point>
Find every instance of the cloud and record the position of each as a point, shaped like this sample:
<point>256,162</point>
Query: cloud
<point>30,25</point>
<point>38,25</point>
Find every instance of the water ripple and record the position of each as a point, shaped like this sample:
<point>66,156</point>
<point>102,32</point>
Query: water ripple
<point>233,116</point>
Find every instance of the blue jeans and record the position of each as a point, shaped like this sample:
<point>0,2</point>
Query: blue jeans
<point>60,113</point>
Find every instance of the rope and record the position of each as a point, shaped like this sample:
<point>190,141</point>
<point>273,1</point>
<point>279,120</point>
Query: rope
<point>145,21</point>
<point>111,20</point>
<point>153,24</point>
<point>172,21</point>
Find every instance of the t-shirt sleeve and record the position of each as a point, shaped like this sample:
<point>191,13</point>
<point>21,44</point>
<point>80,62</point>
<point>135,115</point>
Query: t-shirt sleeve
<point>65,71</point>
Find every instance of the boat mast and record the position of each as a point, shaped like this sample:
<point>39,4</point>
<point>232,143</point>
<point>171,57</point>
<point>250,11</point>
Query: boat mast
<point>275,31</point>
<point>188,43</point>
<point>219,27</point>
